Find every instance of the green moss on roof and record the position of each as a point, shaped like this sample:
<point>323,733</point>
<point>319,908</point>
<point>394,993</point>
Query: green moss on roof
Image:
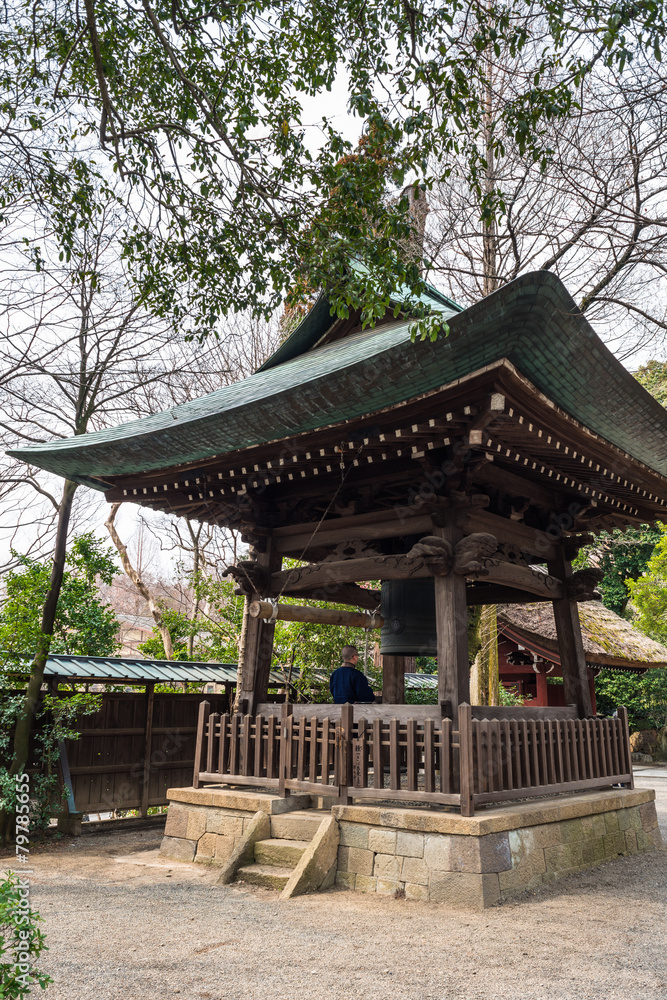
<point>605,634</point>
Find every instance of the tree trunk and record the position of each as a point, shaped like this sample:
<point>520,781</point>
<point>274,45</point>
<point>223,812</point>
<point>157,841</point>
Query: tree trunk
<point>24,721</point>
<point>485,681</point>
<point>196,558</point>
<point>138,582</point>
<point>490,231</point>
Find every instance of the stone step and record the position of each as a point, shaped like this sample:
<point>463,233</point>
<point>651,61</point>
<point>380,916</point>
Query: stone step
<point>267,876</point>
<point>279,853</point>
<point>302,824</point>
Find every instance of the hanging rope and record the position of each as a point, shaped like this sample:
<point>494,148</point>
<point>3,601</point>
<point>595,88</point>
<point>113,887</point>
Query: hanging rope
<point>344,473</point>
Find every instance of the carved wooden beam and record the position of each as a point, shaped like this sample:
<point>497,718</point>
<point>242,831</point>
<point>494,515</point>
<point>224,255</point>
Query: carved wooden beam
<point>318,616</point>
<point>496,594</point>
<point>531,540</point>
<point>521,577</point>
<point>325,575</point>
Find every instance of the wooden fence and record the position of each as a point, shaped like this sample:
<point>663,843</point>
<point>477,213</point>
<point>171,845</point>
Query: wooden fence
<point>411,753</point>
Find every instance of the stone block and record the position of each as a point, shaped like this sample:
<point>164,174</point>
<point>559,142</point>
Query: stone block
<point>587,827</point>
<point>196,823</point>
<point>382,841</point>
<point>464,889</point>
<point>316,861</point>
<point>178,849</point>
<point>410,845</point>
<point>415,870</point>
<point>631,841</point>
<point>517,849</point>
<point>599,828</point>
<point>571,830</point>
<point>490,853</point>
<point>198,796</point>
<point>644,841</point>
<point>221,822</point>
<point>611,822</point>
<point>535,838</point>
<point>366,883</point>
<point>592,850</point>
<point>224,847</point>
<point>563,857</point>
<point>416,891</point>
<point>388,887</point>
<point>635,818</point>
<point>522,877</point>
<point>243,852</point>
<point>353,835</point>
<point>387,866</point>
<point>346,880</point>
<point>177,821</point>
<point>437,852</point>
<point>624,819</point>
<point>648,816</point>
<point>355,859</point>
<point>251,802</point>
<point>206,848</point>
<point>614,844</point>
<point>494,852</point>
<point>329,879</point>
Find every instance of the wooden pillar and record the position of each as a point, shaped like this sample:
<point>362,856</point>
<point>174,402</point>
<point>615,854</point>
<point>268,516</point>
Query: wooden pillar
<point>570,644</point>
<point>542,688</point>
<point>202,741</point>
<point>148,741</point>
<point>451,619</point>
<point>393,680</point>
<point>256,644</point>
<point>591,687</point>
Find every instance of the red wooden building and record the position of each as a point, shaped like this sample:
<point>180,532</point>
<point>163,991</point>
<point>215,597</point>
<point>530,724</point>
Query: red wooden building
<point>528,657</point>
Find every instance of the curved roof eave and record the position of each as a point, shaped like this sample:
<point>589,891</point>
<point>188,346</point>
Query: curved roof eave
<point>532,322</point>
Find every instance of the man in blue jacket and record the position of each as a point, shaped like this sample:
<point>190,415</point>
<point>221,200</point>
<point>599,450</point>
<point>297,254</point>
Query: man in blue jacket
<point>348,684</point>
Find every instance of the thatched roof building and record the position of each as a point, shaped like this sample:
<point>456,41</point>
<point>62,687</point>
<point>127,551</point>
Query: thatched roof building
<point>609,640</point>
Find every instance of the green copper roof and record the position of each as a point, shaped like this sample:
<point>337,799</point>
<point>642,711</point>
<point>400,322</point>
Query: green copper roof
<point>532,322</point>
<point>319,319</point>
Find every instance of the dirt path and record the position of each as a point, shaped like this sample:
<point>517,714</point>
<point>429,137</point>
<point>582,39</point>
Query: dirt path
<point>121,923</point>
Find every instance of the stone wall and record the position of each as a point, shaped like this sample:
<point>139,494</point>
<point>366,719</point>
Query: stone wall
<point>480,861</point>
<point>432,854</point>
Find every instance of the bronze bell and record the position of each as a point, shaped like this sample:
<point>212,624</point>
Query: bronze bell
<point>408,609</point>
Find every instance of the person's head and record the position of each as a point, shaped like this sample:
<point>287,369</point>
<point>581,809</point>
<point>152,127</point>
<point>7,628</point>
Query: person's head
<point>350,654</point>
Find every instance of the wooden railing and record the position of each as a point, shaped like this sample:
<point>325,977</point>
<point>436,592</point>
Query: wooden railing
<point>410,753</point>
<point>523,757</point>
<point>413,759</point>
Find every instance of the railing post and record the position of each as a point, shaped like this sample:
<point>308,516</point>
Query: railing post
<point>200,745</point>
<point>623,716</point>
<point>285,747</point>
<point>344,751</point>
<point>466,760</point>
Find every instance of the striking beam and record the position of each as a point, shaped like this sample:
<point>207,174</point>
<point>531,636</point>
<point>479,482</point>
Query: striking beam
<point>318,616</point>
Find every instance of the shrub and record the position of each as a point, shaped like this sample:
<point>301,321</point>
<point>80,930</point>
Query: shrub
<point>21,941</point>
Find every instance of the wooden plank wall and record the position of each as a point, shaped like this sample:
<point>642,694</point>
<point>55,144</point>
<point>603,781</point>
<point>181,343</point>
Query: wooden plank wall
<point>117,764</point>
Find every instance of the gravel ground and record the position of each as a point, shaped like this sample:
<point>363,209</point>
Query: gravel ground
<point>120,923</point>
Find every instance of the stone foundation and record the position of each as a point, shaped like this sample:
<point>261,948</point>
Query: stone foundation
<point>206,824</point>
<point>430,854</point>
<point>502,852</point>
